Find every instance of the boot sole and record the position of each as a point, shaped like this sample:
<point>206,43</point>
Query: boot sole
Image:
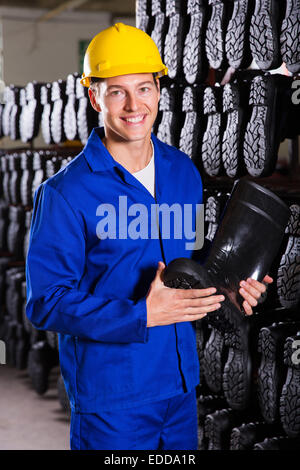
<point>264,34</point>
<point>237,35</point>
<point>190,133</point>
<point>183,274</point>
<point>212,141</point>
<point>245,436</point>
<point>289,37</point>
<point>268,376</point>
<point>158,32</point>
<point>260,150</point>
<point>215,425</point>
<point>215,35</point>
<point>237,375</point>
<point>232,143</point>
<point>290,396</point>
<point>207,404</point>
<point>170,126</point>
<point>212,216</point>
<point>288,275</point>
<point>218,427</point>
<point>213,361</point>
<point>195,65</point>
<point>173,46</point>
<point>267,444</point>
<point>278,443</point>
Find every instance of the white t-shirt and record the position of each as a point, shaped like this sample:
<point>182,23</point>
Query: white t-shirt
<point>146,176</point>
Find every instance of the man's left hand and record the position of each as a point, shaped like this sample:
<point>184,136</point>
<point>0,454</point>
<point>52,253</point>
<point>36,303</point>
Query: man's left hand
<point>251,290</point>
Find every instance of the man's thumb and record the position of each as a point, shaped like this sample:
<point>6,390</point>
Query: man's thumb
<point>161,266</point>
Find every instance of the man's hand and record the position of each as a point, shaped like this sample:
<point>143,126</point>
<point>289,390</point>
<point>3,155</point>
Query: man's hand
<point>251,290</point>
<point>166,305</point>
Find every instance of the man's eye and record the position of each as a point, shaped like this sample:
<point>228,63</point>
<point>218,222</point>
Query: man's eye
<point>115,92</point>
<point>144,89</point>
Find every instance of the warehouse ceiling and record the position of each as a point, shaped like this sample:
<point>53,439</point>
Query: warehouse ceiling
<point>118,7</point>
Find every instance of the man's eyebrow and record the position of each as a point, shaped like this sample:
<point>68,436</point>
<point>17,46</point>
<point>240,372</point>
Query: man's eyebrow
<point>139,84</point>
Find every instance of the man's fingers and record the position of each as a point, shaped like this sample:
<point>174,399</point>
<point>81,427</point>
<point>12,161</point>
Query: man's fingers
<point>200,310</point>
<point>247,308</point>
<point>160,267</point>
<point>254,287</point>
<point>202,302</point>
<point>251,299</point>
<point>195,293</point>
<point>268,279</point>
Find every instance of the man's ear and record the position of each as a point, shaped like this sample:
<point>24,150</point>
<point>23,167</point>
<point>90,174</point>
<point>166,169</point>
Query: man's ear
<point>93,100</point>
<point>158,87</point>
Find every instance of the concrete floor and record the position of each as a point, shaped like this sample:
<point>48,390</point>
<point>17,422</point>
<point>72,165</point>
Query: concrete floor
<point>29,421</point>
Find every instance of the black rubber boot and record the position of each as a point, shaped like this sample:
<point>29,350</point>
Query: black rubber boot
<point>246,242</point>
<point>289,36</point>
<point>248,237</point>
<point>213,360</point>
<point>195,63</point>
<point>172,119</point>
<point>237,45</point>
<point>216,32</point>
<point>290,395</point>
<point>174,40</point>
<point>245,436</point>
<point>59,98</point>
<point>192,130</point>
<point>41,359</point>
<point>71,109</point>
<point>46,114</point>
<point>271,372</point>
<point>278,443</point>
<point>235,106</point>
<point>271,121</point>
<point>159,29</point>
<point>212,138</point>
<point>288,275</point>
<point>207,404</point>
<point>264,34</point>
<point>218,427</point>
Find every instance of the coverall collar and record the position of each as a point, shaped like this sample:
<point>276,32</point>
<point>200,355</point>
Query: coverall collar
<point>99,159</point>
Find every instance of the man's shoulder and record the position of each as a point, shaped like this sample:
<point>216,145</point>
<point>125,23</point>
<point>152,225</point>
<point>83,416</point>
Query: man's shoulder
<point>70,175</point>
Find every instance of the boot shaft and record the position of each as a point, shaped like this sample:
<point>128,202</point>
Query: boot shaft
<point>249,234</point>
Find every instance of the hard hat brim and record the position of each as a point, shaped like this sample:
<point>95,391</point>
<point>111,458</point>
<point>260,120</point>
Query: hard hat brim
<point>130,69</point>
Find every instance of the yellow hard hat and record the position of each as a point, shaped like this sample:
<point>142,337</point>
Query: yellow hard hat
<point>120,50</point>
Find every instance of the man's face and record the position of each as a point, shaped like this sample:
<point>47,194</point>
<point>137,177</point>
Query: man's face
<point>129,105</point>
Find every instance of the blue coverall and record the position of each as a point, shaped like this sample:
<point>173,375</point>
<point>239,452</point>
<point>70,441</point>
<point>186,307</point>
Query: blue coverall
<point>92,290</point>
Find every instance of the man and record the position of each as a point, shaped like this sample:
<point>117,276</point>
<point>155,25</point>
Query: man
<point>127,342</point>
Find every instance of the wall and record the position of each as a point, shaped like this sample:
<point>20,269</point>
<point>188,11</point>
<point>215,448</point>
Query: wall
<point>45,51</point>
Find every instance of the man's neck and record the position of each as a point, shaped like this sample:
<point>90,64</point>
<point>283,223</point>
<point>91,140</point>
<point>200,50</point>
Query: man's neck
<point>134,156</point>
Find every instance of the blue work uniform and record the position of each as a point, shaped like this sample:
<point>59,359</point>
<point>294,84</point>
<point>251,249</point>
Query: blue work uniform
<point>91,288</point>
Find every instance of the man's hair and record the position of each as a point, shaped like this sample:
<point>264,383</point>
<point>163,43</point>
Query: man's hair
<point>95,81</point>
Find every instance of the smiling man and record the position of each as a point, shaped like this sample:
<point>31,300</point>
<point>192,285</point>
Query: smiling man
<point>129,105</point>
<point>127,343</point>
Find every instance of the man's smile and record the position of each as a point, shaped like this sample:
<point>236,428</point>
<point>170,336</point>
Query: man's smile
<point>137,119</point>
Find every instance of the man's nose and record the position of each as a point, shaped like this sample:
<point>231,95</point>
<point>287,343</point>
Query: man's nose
<point>131,103</point>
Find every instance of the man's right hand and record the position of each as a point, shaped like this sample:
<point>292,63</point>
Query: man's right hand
<point>166,305</point>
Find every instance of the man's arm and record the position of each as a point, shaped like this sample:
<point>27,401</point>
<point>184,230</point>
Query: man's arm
<point>54,267</point>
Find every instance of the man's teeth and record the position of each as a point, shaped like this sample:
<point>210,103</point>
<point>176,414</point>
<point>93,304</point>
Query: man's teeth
<point>136,119</point>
